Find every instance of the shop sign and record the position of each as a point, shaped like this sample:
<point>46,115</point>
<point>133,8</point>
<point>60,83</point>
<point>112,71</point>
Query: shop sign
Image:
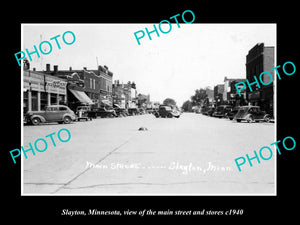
<point>254,95</point>
<point>56,84</point>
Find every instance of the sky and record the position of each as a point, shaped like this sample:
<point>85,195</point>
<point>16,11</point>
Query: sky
<point>172,65</point>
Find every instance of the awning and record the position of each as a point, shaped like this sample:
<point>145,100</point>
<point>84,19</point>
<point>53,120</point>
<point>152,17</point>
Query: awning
<point>106,102</point>
<point>81,96</point>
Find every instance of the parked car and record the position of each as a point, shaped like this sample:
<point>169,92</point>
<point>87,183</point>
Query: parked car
<point>84,112</point>
<point>120,111</point>
<point>221,111</point>
<point>230,115</point>
<point>52,113</point>
<point>210,111</point>
<point>167,111</point>
<point>104,111</point>
<point>204,110</point>
<point>141,111</point>
<point>251,114</point>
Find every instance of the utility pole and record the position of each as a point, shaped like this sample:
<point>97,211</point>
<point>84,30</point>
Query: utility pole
<point>97,62</point>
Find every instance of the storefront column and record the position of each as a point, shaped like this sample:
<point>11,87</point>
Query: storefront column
<point>39,101</point>
<point>57,99</point>
<point>29,101</point>
<point>48,99</point>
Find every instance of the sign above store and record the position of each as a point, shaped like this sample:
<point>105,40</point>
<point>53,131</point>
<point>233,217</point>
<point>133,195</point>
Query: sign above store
<point>56,83</point>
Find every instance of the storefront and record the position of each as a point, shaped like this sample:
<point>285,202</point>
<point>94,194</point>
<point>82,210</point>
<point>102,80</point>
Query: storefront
<point>40,90</point>
<point>254,97</point>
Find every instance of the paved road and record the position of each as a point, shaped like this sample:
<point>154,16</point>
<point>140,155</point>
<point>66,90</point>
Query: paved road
<point>192,155</point>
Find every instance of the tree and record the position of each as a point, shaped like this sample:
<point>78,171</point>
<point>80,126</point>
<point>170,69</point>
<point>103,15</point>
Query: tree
<point>169,102</point>
<point>187,106</point>
<point>200,96</point>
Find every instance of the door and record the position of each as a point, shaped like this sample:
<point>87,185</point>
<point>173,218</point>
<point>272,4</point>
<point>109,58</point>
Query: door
<point>255,113</point>
<point>260,114</point>
<point>52,113</point>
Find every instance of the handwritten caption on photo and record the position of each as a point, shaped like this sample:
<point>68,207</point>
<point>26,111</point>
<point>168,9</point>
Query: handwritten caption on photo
<point>175,166</point>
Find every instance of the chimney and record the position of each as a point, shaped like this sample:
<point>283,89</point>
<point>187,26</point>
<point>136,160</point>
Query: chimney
<point>70,68</point>
<point>84,68</point>
<point>47,67</point>
<point>55,69</point>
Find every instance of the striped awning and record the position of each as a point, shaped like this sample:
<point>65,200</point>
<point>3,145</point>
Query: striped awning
<point>81,96</point>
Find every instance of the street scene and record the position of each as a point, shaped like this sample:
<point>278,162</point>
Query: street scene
<point>156,159</point>
<point>168,117</point>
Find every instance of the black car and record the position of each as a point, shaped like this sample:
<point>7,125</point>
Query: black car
<point>167,111</point>
<point>104,112</point>
<point>230,115</point>
<point>208,111</point>
<point>251,114</point>
<point>120,111</point>
<point>221,111</point>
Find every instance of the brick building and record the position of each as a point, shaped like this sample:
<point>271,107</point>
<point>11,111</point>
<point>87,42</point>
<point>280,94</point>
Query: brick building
<point>230,95</point>
<point>259,59</point>
<point>218,93</point>
<point>85,86</point>
<point>124,95</point>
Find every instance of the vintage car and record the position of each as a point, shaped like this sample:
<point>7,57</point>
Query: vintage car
<point>52,113</point>
<point>120,111</point>
<point>167,111</point>
<point>230,115</point>
<point>251,114</point>
<point>84,112</point>
<point>104,111</point>
<point>208,111</point>
<point>221,111</point>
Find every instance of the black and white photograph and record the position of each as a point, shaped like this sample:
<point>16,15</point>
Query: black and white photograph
<point>174,108</point>
<point>145,113</point>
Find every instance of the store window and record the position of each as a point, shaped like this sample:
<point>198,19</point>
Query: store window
<point>43,100</point>
<point>34,101</point>
<point>53,99</point>
<point>61,99</point>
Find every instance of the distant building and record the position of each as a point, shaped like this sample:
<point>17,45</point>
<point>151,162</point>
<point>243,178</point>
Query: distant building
<point>210,94</point>
<point>218,93</point>
<point>230,91</point>
<point>124,95</point>
<point>143,101</point>
<point>259,59</point>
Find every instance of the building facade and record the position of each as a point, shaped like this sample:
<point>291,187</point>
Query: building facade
<point>125,95</point>
<point>93,87</point>
<point>259,59</point>
<point>40,90</point>
<point>230,95</point>
<point>218,94</point>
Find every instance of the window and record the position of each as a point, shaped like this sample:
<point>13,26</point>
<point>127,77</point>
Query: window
<point>44,100</point>
<point>91,83</point>
<point>61,108</point>
<point>34,101</point>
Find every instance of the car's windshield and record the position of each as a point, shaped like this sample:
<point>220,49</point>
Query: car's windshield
<point>167,108</point>
<point>243,109</point>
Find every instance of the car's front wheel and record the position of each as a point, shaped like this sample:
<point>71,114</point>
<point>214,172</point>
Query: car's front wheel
<point>36,121</point>
<point>67,119</point>
<point>250,119</point>
<point>267,119</point>
<point>169,115</point>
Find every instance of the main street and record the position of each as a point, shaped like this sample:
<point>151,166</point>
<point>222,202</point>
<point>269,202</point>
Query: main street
<point>192,155</point>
